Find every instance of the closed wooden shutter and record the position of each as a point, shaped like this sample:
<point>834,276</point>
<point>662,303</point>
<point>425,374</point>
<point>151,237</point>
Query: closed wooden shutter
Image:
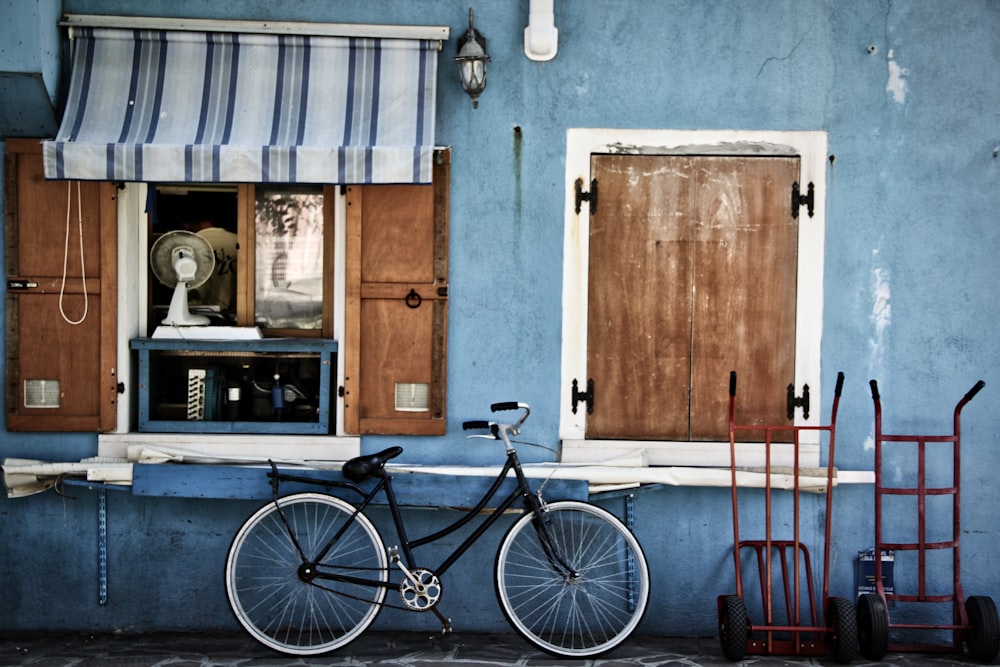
<point>692,274</point>
<point>397,306</point>
<point>61,318</point>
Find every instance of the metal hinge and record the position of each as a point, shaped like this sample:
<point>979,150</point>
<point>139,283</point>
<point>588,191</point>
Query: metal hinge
<point>797,402</point>
<point>582,196</point>
<point>584,396</point>
<point>799,199</point>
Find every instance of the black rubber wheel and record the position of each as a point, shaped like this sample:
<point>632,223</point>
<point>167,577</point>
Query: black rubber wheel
<point>983,639</point>
<point>842,623</point>
<point>734,627</point>
<point>873,626</point>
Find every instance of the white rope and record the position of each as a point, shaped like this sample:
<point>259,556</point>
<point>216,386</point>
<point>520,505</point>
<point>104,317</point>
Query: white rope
<point>83,269</point>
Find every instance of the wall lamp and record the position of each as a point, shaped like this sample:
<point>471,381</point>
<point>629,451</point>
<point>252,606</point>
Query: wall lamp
<point>472,59</point>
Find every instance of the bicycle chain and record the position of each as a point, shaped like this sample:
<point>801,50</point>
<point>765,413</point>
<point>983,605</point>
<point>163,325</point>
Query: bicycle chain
<point>384,603</point>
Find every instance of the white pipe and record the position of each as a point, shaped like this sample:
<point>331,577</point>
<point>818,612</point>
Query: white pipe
<point>541,38</point>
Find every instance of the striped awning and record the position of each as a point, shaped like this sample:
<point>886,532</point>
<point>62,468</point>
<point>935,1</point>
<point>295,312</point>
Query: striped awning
<point>190,106</point>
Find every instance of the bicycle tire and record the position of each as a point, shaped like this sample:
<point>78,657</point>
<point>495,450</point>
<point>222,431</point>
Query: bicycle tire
<point>277,603</point>
<point>572,618</point>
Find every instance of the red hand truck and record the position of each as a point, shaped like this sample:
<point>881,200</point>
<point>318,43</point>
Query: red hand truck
<point>974,620</point>
<point>801,634</point>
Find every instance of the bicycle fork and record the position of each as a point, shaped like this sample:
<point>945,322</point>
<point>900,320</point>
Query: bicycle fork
<point>552,553</point>
<point>421,591</point>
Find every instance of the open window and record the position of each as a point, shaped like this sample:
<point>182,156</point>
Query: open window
<point>273,247</point>
<point>276,179</point>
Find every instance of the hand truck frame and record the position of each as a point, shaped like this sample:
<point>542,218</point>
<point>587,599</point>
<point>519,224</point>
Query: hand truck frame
<point>838,636</point>
<point>974,620</point>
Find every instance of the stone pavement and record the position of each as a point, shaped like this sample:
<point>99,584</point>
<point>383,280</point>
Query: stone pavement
<point>389,649</point>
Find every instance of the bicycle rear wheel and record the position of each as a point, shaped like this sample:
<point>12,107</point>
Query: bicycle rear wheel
<point>276,596</point>
<point>583,612</point>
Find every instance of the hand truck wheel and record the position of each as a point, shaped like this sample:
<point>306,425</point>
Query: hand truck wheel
<point>734,627</point>
<point>983,640</point>
<point>843,636</point>
<point>873,626</point>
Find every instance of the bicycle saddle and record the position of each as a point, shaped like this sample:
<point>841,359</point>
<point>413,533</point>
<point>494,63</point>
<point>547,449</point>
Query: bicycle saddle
<point>361,468</point>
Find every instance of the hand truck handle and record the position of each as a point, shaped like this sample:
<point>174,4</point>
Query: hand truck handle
<point>874,386</point>
<point>840,384</point>
<point>972,392</point>
<point>732,383</point>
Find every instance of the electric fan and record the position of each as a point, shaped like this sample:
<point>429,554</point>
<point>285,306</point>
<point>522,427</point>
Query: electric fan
<point>184,261</point>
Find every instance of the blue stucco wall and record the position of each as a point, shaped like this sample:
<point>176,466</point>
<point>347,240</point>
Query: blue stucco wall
<point>909,92</point>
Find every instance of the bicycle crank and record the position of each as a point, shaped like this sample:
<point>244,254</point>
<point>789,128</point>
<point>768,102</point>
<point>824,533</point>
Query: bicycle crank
<point>420,589</point>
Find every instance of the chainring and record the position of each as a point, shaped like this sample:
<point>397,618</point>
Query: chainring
<point>421,596</point>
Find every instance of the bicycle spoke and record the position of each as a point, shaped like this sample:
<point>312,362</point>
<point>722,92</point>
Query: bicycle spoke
<point>274,592</point>
<point>579,613</point>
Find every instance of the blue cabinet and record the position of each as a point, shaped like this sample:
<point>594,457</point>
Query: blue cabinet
<point>272,385</point>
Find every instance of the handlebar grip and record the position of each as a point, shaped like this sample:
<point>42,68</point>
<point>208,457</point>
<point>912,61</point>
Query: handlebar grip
<point>732,383</point>
<point>505,405</point>
<point>874,385</point>
<point>975,390</point>
<point>840,384</point>
<point>475,424</point>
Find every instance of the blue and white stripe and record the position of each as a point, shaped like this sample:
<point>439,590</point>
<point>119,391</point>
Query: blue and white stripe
<point>168,106</point>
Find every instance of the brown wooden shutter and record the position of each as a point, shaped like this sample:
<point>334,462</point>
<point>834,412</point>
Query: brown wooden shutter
<point>60,376</point>
<point>692,274</point>
<point>397,305</point>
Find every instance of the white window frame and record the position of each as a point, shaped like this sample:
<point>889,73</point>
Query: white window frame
<point>132,290</point>
<point>581,143</point>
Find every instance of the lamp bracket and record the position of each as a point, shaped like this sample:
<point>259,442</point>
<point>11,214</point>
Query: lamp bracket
<point>582,196</point>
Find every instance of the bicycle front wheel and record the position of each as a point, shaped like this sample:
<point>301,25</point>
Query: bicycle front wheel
<point>573,582</point>
<point>276,593</point>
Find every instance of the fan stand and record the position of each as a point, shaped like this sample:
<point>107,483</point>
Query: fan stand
<point>179,315</point>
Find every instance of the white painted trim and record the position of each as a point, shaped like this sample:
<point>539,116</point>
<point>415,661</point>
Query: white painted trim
<point>432,32</point>
<point>132,290</point>
<point>339,298</point>
<point>810,146</point>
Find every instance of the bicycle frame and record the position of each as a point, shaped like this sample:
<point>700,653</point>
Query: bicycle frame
<point>384,485</point>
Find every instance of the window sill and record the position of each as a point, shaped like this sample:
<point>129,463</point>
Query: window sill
<point>199,447</point>
<point>700,454</point>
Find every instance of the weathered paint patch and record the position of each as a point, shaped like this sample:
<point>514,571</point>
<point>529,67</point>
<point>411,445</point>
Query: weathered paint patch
<point>881,315</point>
<point>896,85</point>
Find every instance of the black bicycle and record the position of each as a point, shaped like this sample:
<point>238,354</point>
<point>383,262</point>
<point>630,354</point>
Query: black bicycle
<point>307,573</point>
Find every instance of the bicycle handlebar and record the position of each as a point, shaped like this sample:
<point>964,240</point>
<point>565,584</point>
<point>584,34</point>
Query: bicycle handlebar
<point>495,427</point>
